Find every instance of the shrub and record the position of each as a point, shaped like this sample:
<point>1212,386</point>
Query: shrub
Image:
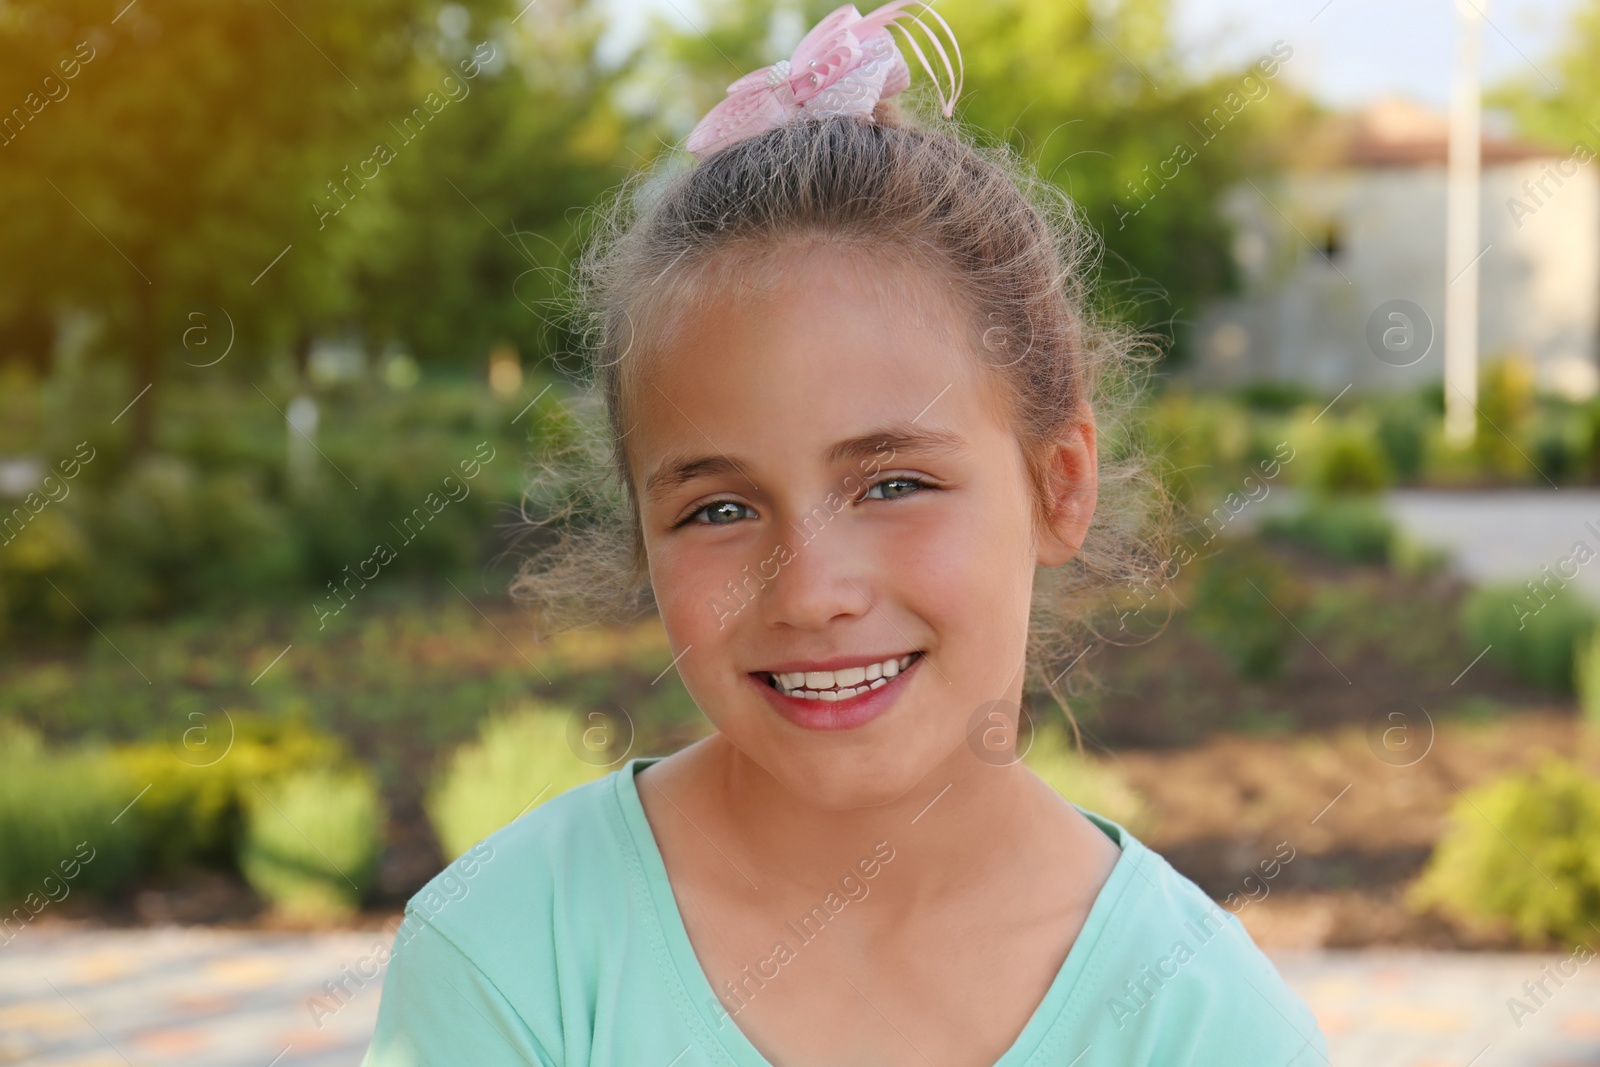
<point>1093,784</point>
<point>1506,410</point>
<point>58,808</point>
<point>1522,851</point>
<point>1586,677</point>
<point>1349,459</point>
<point>206,518</point>
<point>519,760</point>
<point>1268,395</point>
<point>1402,432</point>
<point>1531,637</point>
<point>1415,558</point>
<point>1561,444</point>
<point>1237,599</point>
<point>1354,528</point>
<point>199,785</point>
<point>311,840</point>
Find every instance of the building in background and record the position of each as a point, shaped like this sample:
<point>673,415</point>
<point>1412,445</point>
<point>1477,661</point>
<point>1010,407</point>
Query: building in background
<point>1359,220</point>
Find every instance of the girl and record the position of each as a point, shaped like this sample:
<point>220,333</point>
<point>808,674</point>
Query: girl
<point>851,381</point>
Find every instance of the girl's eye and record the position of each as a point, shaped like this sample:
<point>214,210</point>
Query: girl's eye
<point>918,483</point>
<point>726,512</point>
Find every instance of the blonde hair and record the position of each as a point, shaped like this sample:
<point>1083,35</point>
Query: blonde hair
<point>1020,255</point>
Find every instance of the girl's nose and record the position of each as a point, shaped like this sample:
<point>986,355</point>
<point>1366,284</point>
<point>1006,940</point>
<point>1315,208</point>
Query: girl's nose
<point>824,575</point>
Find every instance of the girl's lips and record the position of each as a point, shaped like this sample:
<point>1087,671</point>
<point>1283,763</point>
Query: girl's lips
<point>836,714</point>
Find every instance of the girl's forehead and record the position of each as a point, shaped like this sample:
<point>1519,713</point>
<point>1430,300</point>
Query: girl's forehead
<point>822,302</point>
<point>834,348</point>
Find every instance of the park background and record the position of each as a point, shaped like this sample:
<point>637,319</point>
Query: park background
<point>282,281</point>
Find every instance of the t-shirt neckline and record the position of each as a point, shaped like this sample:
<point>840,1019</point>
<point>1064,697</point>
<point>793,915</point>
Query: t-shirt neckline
<point>735,1043</point>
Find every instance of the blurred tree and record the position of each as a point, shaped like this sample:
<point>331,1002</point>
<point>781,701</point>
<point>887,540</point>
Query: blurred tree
<point>1559,102</point>
<point>176,164</point>
<point>1103,106</point>
<point>289,163</point>
<point>471,242</point>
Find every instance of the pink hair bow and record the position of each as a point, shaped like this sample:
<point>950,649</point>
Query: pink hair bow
<point>844,66</point>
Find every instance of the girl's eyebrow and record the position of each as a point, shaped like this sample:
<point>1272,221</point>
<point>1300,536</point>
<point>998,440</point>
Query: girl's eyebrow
<point>894,438</point>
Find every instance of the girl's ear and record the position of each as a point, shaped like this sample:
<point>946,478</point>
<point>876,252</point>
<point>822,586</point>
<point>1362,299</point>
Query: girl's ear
<point>1073,481</point>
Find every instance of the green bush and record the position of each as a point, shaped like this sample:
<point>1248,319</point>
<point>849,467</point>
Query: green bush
<point>1274,396</point>
<point>62,817</point>
<point>199,785</point>
<point>1507,411</point>
<point>1402,433</point>
<point>1562,442</point>
<point>205,518</point>
<point>1530,637</point>
<point>1586,677</point>
<point>143,807</point>
<point>1236,603</point>
<point>1524,851</point>
<point>1094,784</point>
<point>311,840</point>
<point>1354,528</point>
<point>519,760</point>
<point>1349,459</point>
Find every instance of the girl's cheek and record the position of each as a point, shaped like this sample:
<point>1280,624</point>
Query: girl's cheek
<point>692,592</point>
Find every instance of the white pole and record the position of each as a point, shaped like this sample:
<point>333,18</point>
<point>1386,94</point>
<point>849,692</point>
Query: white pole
<point>1461,232</point>
<point>302,431</point>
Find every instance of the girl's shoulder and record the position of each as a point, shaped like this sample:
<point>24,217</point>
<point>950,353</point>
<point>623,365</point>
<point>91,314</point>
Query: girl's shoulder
<point>1170,970</point>
<point>486,947</point>
<point>514,891</point>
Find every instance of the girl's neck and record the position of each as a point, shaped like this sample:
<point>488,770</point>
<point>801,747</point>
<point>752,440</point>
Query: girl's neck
<point>963,824</point>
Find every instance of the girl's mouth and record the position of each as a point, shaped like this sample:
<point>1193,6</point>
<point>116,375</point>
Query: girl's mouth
<point>837,700</point>
<point>833,686</point>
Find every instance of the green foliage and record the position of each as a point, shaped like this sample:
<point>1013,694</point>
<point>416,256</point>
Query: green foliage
<point>198,785</point>
<point>1560,112</point>
<point>208,518</point>
<point>1093,784</point>
<point>128,810</point>
<point>311,840</point>
<point>1586,677</point>
<point>1237,600</point>
<point>519,760</point>
<point>1353,528</point>
<point>529,146</point>
<point>1348,459</point>
<point>209,163</point>
<point>1267,395</point>
<point>1401,428</point>
<point>1525,851</point>
<point>1506,409</point>
<point>1210,442</point>
<point>57,834</point>
<point>1531,631</point>
<point>1203,443</point>
<point>1562,442</point>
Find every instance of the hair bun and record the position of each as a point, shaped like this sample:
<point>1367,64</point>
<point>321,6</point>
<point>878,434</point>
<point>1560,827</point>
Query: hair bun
<point>888,112</point>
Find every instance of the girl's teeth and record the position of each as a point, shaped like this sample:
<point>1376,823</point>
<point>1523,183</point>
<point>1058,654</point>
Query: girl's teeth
<point>842,684</point>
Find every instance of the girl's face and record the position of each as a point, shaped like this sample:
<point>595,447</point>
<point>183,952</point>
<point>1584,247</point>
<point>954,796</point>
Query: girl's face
<point>826,481</point>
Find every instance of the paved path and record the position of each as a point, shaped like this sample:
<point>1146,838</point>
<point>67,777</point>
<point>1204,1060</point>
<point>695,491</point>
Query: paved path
<point>1507,534</point>
<point>1491,535</point>
<point>152,998</point>
<point>115,998</point>
<point>1429,1009</point>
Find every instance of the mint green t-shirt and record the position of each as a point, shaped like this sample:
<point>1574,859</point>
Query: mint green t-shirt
<point>557,942</point>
